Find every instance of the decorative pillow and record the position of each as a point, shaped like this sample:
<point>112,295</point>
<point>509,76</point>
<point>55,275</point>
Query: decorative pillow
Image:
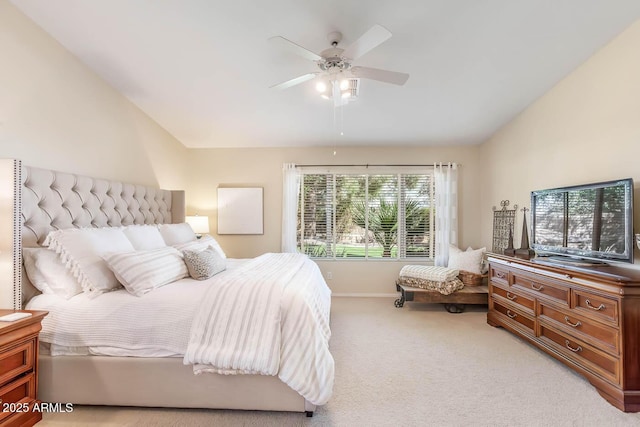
<point>469,260</point>
<point>204,264</point>
<point>201,244</point>
<point>143,271</point>
<point>48,274</point>
<point>144,237</point>
<point>81,250</point>
<point>175,234</point>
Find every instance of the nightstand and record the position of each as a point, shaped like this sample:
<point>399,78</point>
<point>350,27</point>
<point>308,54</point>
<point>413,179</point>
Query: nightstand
<point>19,369</point>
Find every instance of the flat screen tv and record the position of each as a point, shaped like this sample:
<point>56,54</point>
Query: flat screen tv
<point>592,223</point>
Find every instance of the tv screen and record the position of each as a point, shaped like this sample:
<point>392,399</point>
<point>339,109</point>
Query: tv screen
<point>592,222</point>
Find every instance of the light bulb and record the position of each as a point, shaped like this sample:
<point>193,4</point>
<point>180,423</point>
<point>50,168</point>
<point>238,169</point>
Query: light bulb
<point>346,95</point>
<point>321,86</point>
<point>344,84</point>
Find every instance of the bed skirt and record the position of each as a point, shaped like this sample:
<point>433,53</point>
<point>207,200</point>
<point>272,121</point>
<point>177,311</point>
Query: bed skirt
<point>158,382</point>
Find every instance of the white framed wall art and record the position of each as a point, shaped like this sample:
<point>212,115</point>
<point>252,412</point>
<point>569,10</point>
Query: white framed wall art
<point>240,210</point>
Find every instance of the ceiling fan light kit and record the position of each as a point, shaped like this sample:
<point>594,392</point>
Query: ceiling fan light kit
<point>338,79</point>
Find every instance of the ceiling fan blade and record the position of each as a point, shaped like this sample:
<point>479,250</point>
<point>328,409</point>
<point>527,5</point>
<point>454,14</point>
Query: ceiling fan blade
<point>294,48</point>
<point>369,40</point>
<point>386,76</point>
<point>295,81</point>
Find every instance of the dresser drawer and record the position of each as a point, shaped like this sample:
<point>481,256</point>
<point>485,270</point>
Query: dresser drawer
<point>596,306</point>
<point>523,302</point>
<point>499,275</point>
<point>595,333</point>
<point>19,392</point>
<point>582,353</point>
<point>16,360</point>
<point>542,288</point>
<point>514,315</point>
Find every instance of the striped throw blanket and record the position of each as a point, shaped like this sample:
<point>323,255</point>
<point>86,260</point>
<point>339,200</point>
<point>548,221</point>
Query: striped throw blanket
<point>269,317</point>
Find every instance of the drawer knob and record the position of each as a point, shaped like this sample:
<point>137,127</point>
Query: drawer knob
<point>500,274</point>
<point>598,308</point>
<point>511,296</point>
<point>575,350</point>
<point>511,315</point>
<point>575,325</point>
<point>533,286</point>
<point>568,276</point>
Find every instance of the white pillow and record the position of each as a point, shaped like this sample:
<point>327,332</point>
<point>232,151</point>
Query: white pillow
<point>175,234</point>
<point>143,271</point>
<point>201,244</point>
<point>81,251</point>
<point>48,274</point>
<point>469,260</point>
<point>144,237</point>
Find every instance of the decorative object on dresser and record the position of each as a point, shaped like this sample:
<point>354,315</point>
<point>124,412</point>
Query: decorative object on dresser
<point>510,250</point>
<point>504,221</point>
<point>586,317</point>
<point>19,369</point>
<point>525,252</point>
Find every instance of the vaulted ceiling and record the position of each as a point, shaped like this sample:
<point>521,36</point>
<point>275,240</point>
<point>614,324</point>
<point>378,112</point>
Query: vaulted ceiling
<point>202,68</point>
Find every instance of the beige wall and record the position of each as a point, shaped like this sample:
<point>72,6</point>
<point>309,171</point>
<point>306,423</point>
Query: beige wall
<point>586,129</point>
<point>56,113</point>
<point>211,168</point>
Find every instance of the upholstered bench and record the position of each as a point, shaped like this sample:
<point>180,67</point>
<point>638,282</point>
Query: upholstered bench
<point>430,284</point>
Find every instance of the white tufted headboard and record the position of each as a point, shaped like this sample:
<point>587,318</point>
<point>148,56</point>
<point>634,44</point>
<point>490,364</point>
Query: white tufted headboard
<point>54,200</point>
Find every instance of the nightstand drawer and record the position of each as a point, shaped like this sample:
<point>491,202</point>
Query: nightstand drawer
<point>20,393</point>
<point>15,361</point>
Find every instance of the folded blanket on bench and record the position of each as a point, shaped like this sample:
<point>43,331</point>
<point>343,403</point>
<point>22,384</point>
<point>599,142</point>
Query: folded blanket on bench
<point>441,279</point>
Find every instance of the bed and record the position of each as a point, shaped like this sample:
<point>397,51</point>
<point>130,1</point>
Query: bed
<point>81,369</point>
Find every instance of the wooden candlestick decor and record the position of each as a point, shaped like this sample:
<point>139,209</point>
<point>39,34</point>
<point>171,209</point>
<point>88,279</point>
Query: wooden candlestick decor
<point>525,252</point>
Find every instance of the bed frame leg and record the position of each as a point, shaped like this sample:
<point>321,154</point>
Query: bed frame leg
<point>309,414</point>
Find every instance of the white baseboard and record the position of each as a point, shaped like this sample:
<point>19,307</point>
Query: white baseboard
<point>365,295</point>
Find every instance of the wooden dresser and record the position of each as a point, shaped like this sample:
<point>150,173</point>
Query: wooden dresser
<point>19,369</point>
<point>586,317</point>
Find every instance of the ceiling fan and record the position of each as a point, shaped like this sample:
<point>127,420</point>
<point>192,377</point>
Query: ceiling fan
<point>338,78</point>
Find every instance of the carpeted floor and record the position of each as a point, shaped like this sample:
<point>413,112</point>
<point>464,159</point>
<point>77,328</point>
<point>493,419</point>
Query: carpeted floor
<point>412,366</point>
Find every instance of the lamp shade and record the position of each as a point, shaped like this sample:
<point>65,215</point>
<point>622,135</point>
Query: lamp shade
<point>200,224</point>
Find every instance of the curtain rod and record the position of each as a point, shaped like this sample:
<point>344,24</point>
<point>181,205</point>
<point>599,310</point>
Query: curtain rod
<point>374,165</point>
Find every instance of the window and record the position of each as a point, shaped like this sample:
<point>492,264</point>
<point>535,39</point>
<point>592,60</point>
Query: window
<point>351,214</point>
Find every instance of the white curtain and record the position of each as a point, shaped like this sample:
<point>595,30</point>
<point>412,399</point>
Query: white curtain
<point>446,218</point>
<point>290,195</point>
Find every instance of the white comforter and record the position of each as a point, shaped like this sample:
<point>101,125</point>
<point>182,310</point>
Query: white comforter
<point>274,326</point>
<point>159,324</point>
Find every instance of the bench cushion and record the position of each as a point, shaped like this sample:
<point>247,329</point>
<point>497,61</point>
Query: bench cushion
<point>441,279</point>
